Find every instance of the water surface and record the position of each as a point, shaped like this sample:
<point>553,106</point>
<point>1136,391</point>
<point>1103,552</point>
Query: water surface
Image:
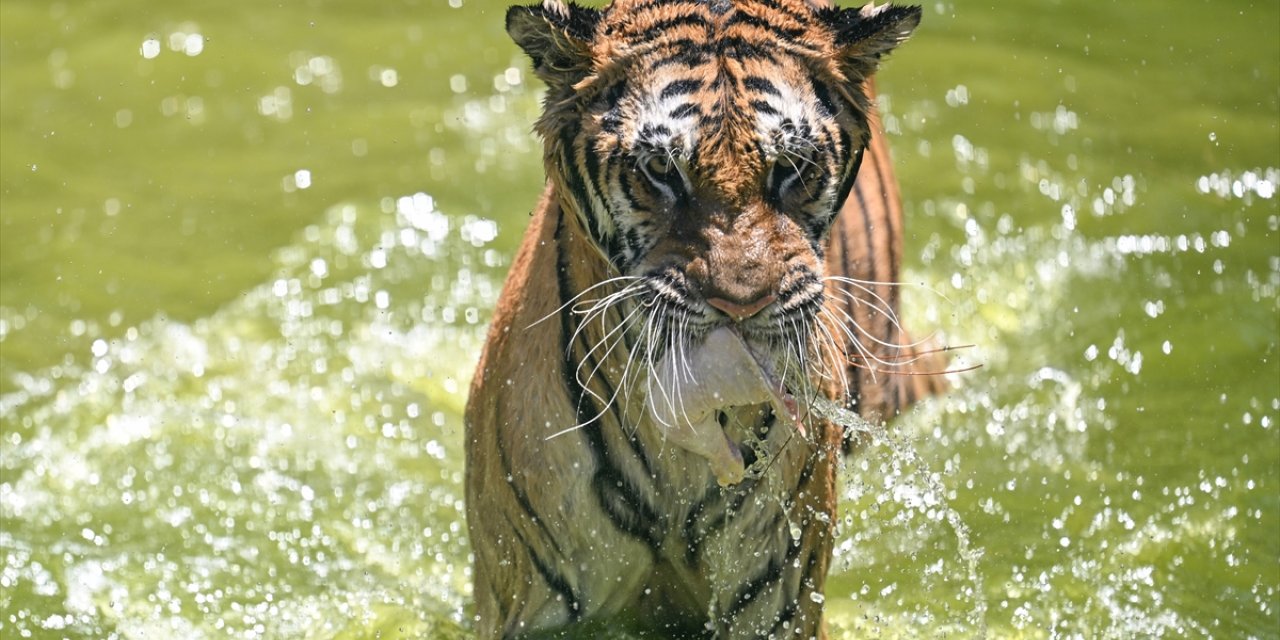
<point>247,253</point>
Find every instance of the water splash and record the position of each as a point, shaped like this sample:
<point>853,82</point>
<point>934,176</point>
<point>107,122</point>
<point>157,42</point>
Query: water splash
<point>290,463</point>
<point>904,457</point>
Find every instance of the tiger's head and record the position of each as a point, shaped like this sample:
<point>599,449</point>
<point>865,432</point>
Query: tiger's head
<point>706,146</point>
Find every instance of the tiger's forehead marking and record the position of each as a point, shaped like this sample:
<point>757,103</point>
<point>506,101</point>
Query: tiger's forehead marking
<point>698,110</point>
<point>713,83</point>
<point>688,34</point>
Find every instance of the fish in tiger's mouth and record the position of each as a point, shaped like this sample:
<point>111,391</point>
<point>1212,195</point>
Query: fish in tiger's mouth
<point>687,389</point>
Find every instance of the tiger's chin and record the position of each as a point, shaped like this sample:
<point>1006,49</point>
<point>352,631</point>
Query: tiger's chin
<point>687,389</point>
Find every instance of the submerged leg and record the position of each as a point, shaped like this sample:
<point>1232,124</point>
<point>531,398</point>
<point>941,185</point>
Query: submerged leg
<point>773,570</point>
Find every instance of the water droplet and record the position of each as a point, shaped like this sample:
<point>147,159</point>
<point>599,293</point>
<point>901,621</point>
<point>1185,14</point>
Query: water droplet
<point>389,78</point>
<point>150,48</point>
<point>193,44</point>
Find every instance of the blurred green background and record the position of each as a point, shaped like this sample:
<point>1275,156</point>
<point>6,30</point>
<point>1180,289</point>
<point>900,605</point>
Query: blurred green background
<point>247,252</point>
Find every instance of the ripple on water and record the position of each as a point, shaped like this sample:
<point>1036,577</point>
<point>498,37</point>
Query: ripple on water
<point>1074,533</point>
<point>289,464</point>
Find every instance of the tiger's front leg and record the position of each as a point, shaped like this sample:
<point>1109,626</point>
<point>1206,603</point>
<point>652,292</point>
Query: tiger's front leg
<point>523,585</point>
<point>545,554</point>
<point>771,567</point>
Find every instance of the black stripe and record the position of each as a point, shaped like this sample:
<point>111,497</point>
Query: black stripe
<point>797,286</point>
<point>714,496</point>
<point>695,541</point>
<point>685,110</point>
<point>657,29</point>
<point>590,186</point>
<point>785,10</point>
<point>711,121</point>
<point>598,185</point>
<point>632,237</point>
<point>739,48</point>
<point>592,363</point>
<point>620,499</point>
<point>685,52</point>
<point>789,612</point>
<point>824,141</point>
<point>781,32</point>
<point>522,498</point>
<point>848,180</point>
<point>682,87</point>
<point>611,121</point>
<point>557,582</point>
<point>651,130</point>
<point>764,107</point>
<point>609,477</point>
<point>624,506</point>
<point>761,85</point>
<point>634,243</point>
<point>614,92</point>
<point>827,104</point>
<point>774,571</point>
<point>579,187</point>
<point>591,164</point>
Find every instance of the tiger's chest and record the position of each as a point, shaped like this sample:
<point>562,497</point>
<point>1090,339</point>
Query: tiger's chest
<point>667,497</point>
<point>664,535</point>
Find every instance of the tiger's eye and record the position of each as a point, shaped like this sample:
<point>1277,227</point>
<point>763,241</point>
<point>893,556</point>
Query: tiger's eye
<point>660,165</point>
<point>811,172</point>
<point>796,169</point>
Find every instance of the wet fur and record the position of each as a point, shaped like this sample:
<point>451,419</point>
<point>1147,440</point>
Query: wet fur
<point>577,508</point>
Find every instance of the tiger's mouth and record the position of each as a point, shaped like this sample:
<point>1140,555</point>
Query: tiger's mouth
<point>688,388</point>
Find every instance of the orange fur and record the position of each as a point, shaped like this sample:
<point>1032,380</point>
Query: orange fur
<point>650,233</point>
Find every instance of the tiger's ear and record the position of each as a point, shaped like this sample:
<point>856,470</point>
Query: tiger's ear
<point>557,36</point>
<point>864,35</point>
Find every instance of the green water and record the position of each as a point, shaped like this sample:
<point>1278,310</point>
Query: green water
<point>247,252</point>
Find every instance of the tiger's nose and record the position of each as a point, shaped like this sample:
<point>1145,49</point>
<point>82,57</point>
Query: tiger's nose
<point>741,311</point>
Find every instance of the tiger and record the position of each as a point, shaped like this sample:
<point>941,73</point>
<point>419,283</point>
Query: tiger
<point>713,168</point>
